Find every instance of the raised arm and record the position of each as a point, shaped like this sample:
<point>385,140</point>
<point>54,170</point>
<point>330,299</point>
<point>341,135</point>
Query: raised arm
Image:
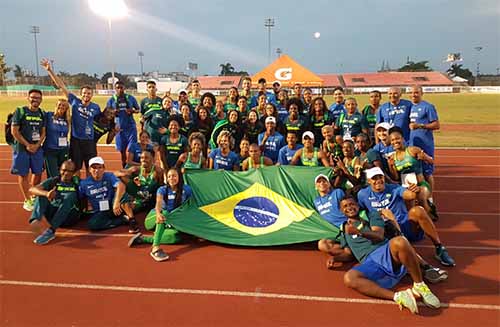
<point>57,81</point>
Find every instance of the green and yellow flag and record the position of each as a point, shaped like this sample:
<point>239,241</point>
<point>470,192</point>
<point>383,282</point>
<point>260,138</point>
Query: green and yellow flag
<point>261,207</point>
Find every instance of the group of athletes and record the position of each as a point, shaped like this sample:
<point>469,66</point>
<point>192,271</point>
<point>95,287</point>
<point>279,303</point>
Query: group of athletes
<point>380,195</point>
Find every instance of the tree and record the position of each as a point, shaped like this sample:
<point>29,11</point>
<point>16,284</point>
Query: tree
<point>18,74</point>
<point>120,77</point>
<point>421,66</point>
<point>457,70</point>
<point>4,69</point>
<point>228,70</point>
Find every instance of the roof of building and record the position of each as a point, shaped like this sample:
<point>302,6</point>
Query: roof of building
<point>218,82</point>
<point>330,80</point>
<point>396,79</point>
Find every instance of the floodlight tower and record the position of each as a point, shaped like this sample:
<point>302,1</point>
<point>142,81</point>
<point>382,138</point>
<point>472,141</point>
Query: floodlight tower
<point>141,54</point>
<point>36,30</point>
<point>478,49</point>
<point>110,9</point>
<point>269,24</point>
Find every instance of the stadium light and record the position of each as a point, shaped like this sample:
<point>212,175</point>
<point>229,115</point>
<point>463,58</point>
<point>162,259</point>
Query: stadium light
<point>109,9</point>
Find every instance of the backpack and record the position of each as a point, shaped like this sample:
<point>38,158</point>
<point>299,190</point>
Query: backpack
<point>9,138</point>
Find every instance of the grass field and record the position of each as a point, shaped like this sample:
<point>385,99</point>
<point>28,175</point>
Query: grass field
<point>452,109</point>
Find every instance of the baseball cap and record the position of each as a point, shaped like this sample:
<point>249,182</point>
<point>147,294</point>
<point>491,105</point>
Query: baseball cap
<point>96,160</point>
<point>182,91</point>
<point>372,172</point>
<point>317,178</point>
<point>271,119</point>
<point>308,134</point>
<point>384,125</point>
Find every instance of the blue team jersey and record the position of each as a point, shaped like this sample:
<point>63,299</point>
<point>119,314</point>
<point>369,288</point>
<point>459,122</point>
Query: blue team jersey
<point>391,198</point>
<point>272,146</point>
<point>168,196</point>
<point>82,118</point>
<point>423,113</point>
<point>270,98</point>
<point>328,207</point>
<point>224,162</point>
<point>285,155</point>
<point>397,115</point>
<point>57,130</point>
<point>384,152</point>
<point>135,149</point>
<point>121,104</point>
<point>336,109</point>
<point>99,191</point>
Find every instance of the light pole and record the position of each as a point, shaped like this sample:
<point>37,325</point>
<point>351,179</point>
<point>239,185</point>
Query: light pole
<point>36,30</point>
<point>141,54</point>
<point>279,52</point>
<point>110,9</point>
<point>478,49</point>
<point>269,23</point>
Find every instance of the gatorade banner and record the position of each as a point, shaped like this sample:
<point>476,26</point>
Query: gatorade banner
<point>261,207</point>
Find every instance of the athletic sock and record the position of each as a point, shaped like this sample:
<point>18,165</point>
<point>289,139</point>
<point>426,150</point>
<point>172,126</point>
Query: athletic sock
<point>417,285</point>
<point>160,228</point>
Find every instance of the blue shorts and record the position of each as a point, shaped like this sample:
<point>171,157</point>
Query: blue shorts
<point>428,169</point>
<point>126,137</point>
<point>23,161</point>
<point>410,235</point>
<point>377,267</point>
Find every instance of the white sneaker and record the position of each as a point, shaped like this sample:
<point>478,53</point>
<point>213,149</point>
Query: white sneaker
<point>28,205</point>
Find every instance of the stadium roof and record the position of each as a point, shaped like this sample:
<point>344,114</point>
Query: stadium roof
<point>330,80</point>
<point>396,79</point>
<point>218,82</point>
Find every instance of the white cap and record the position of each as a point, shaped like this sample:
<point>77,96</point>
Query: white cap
<point>321,176</point>
<point>384,125</point>
<point>308,134</point>
<point>271,119</point>
<point>372,172</point>
<point>96,160</point>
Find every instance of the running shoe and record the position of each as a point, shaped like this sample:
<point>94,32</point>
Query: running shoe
<point>422,291</point>
<point>434,275</point>
<point>405,299</point>
<point>159,255</point>
<point>44,238</point>
<point>135,240</point>
<point>433,213</point>
<point>443,257</point>
<point>28,204</point>
<point>133,227</point>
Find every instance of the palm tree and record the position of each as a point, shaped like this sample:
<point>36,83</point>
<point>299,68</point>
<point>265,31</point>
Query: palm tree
<point>226,69</point>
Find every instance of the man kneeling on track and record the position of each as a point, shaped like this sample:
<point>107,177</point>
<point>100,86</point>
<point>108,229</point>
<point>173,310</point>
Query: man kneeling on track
<point>57,201</point>
<point>383,262</point>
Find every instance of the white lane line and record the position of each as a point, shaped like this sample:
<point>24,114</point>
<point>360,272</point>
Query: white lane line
<point>89,234</point>
<point>280,296</point>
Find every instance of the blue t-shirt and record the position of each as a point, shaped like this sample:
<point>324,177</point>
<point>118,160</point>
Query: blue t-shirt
<point>328,207</point>
<point>336,109</point>
<point>97,191</point>
<point>224,162</point>
<point>272,146</point>
<point>82,118</point>
<point>384,152</point>
<point>285,154</point>
<point>135,148</point>
<point>121,104</point>
<point>423,113</point>
<point>397,115</point>
<point>270,98</point>
<point>391,198</point>
<point>169,195</point>
<point>56,132</point>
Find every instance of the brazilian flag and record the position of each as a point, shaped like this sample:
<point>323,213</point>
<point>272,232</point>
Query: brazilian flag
<point>261,207</point>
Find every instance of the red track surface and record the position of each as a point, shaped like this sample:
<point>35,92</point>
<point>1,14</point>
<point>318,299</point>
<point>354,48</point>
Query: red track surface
<point>469,226</point>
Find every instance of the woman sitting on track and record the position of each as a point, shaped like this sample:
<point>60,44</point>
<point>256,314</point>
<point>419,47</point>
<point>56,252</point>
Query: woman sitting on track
<point>193,159</point>
<point>168,198</point>
<point>222,157</point>
<point>405,165</point>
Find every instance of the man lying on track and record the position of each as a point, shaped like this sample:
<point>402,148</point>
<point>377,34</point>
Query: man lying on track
<point>383,262</point>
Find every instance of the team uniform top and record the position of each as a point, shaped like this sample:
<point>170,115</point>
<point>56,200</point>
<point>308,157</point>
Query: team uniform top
<point>148,104</point>
<point>272,146</point>
<point>30,125</point>
<point>328,207</point>
<point>409,164</point>
<point>351,125</point>
<point>397,115</point>
<point>173,150</point>
<point>224,162</point>
<point>121,103</point>
<point>285,155</point>
<point>298,127</point>
<point>336,109</point>
<point>270,98</point>
<point>317,125</point>
<point>423,113</point>
<point>57,130</point>
<point>82,118</point>
<point>63,189</point>
<point>135,149</point>
<point>381,152</point>
<point>99,193</point>
<point>153,120</point>
<point>371,119</point>
<point>142,188</point>
<point>101,128</point>
<point>391,198</point>
<point>168,196</point>
<point>190,165</point>
<point>362,247</point>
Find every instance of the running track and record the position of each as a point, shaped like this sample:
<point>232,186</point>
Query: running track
<point>83,279</point>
